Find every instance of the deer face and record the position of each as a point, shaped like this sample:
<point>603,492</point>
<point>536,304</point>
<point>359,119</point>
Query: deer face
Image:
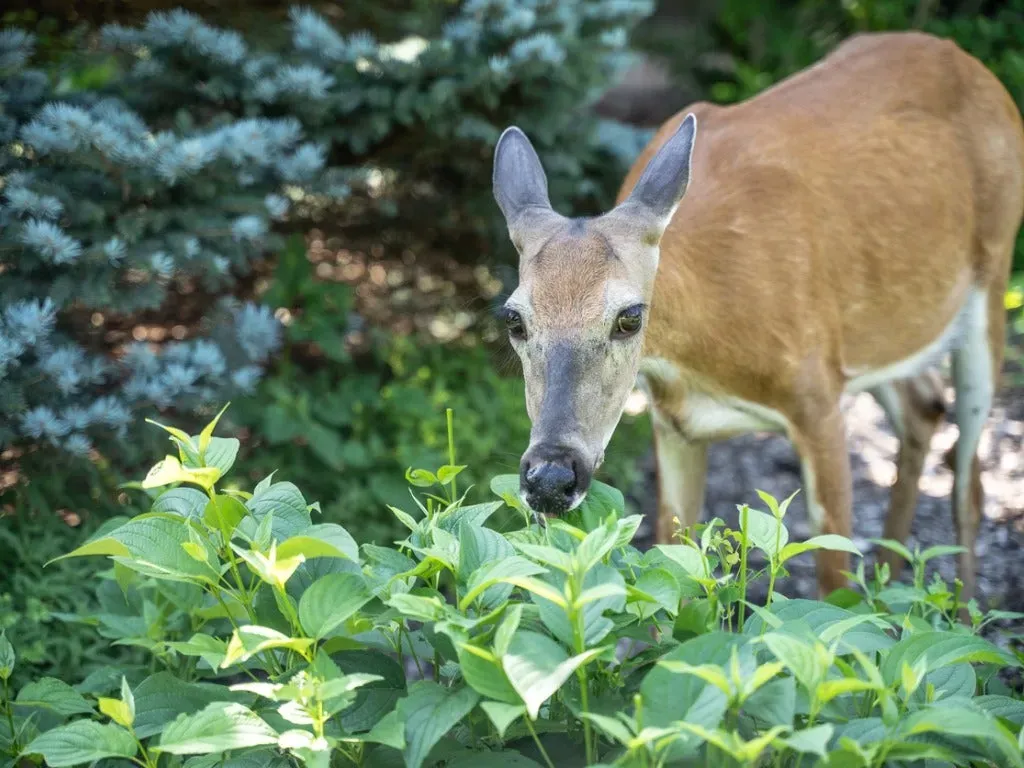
<point>578,316</point>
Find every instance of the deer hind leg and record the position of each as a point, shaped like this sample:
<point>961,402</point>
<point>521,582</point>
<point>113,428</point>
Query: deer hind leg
<point>828,488</point>
<point>976,364</point>
<point>915,408</point>
<point>682,475</point>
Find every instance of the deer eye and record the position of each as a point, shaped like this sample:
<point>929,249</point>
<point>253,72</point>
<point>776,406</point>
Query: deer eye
<point>514,324</point>
<point>628,322</point>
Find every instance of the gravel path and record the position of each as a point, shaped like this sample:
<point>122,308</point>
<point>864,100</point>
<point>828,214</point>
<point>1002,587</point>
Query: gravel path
<point>739,466</point>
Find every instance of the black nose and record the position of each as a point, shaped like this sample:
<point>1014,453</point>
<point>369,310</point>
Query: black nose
<point>551,477</point>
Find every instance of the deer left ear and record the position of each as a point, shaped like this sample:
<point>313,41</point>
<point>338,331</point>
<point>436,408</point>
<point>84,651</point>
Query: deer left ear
<point>519,180</point>
<point>664,181</point>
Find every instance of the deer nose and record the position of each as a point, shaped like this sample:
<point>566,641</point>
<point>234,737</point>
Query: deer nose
<point>551,478</point>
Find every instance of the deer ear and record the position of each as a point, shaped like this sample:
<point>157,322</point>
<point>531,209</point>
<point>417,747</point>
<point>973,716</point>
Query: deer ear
<point>519,180</point>
<point>664,181</point>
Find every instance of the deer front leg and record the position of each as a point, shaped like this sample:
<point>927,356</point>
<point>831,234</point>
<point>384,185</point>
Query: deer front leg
<point>820,440</point>
<point>682,474</point>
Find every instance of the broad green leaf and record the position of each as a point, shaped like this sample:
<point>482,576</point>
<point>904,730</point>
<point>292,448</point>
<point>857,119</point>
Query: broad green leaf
<point>496,572</point>
<point>170,470</point>
<point>224,513</point>
<point>429,712</point>
<point>116,710</point>
<point>448,472</point>
<point>942,649</point>
<point>206,435</point>
<point>322,540</point>
<point>537,666</point>
<point>506,487</point>
<point>826,541</point>
<point>330,601</point>
<point>7,657</point>
<point>477,547</point>
<point>53,694</point>
<point>610,595</point>
<point>505,758</point>
<point>686,557</point>
<point>474,515</point>
<point>418,607</point>
<point>421,478</point>
<point>774,703</point>
<point>210,649</point>
<point>669,697</point>
<point>285,502</point>
<point>374,700</point>
<point>502,714</point>
<point>810,740</point>
<point>547,555</point>
<point>766,532</point>
<point>216,728</point>
<point>798,655</point>
<point>151,544</point>
<point>484,673</point>
<point>221,453</point>
<point>830,689</point>
<point>895,546</point>
<point>507,629</point>
<point>249,640</point>
<point>1003,706</point>
<point>709,673</point>
<point>612,727</point>
<point>962,721</point>
<point>596,546</point>
<point>83,741</point>
<point>186,502</point>
<point>162,697</point>
<point>601,501</point>
<point>659,586</point>
<point>951,681</point>
<point>942,550</point>
<point>824,620</point>
<point>390,731</point>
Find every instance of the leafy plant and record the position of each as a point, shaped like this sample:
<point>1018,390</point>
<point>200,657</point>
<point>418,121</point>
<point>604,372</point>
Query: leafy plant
<point>275,639</point>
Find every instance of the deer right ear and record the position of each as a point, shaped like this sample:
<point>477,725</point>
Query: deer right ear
<point>664,180</point>
<point>519,180</point>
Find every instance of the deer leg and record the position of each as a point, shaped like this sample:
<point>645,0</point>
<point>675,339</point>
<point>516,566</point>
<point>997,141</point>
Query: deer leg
<point>682,468</point>
<point>828,490</point>
<point>975,365</point>
<point>915,408</point>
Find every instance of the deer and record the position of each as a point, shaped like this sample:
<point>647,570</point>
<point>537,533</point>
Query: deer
<point>846,230</point>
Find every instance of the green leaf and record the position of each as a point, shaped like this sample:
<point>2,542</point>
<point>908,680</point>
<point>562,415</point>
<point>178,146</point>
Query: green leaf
<point>942,550</point>
<point>330,601</point>
<point>287,505</point>
<point>1002,706</point>
<point>429,712</point>
<point>596,546</point>
<point>823,619</point>
<point>448,472</point>
<point>221,453</point>
<point>505,758</point>
<point>390,731</point>
<point>894,546</point>
<point>686,557</point>
<point>224,513</point>
<point>477,547</point>
<point>963,721</point>
<point>162,697</point>
<point>210,649</point>
<point>186,502</point>
<point>601,501</point>
<point>55,695</point>
<point>773,703</point>
<point>669,697</point>
<point>418,607</point>
<point>374,700</point>
<point>810,740</point>
<point>828,541</point>
<point>83,741</point>
<point>473,515</point>
<point>506,488</point>
<point>502,714</point>
<point>547,555</point>
<point>537,666</point>
<point>249,640</point>
<point>610,593</point>
<point>204,438</point>
<point>216,728</point>
<point>323,540</point>
<point>766,532</point>
<point>7,657</point>
<point>660,587</point>
<point>495,572</point>
<point>942,649</point>
<point>484,673</point>
<point>421,478</point>
<point>170,470</point>
<point>151,545</point>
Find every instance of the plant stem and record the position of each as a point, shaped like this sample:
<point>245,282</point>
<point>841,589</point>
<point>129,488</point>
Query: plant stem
<point>450,415</point>
<point>9,709</point>
<point>536,740</point>
<point>576,619</point>
<point>744,515</point>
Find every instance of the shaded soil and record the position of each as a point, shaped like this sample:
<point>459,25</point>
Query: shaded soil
<point>737,467</point>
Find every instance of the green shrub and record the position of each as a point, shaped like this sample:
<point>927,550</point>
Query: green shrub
<point>277,640</point>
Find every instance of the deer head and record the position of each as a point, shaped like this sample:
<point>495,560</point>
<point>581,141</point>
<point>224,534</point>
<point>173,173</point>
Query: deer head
<point>577,318</point>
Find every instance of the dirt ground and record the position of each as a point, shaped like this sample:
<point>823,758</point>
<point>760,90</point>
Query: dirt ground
<point>739,466</point>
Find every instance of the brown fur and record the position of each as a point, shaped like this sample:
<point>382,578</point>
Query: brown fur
<point>834,224</point>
